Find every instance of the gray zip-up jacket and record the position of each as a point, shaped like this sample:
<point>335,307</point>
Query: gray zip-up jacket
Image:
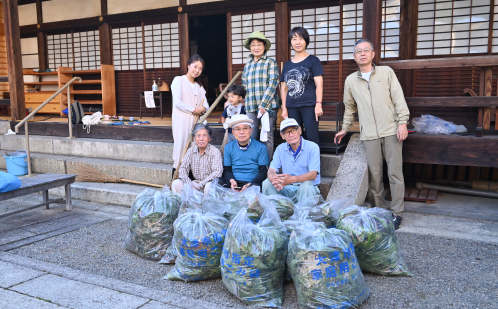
<point>380,103</point>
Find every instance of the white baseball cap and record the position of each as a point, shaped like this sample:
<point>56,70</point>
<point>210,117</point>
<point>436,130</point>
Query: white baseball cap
<point>240,119</point>
<point>288,122</point>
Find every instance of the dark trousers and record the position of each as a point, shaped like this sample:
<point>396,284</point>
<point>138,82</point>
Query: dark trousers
<point>306,116</point>
<point>226,183</point>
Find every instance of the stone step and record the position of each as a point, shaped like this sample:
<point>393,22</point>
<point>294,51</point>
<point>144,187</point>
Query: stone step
<point>134,151</point>
<point>123,194</point>
<point>155,173</point>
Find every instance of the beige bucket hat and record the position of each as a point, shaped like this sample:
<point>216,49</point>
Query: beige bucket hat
<point>260,36</point>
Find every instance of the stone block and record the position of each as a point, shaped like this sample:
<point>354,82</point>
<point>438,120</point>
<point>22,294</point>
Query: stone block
<point>40,144</point>
<point>325,184</point>
<point>13,274</point>
<point>4,127</point>
<point>106,193</point>
<point>351,181</point>
<point>13,300</point>
<point>329,164</point>
<point>75,294</point>
<point>117,150</point>
<point>155,173</point>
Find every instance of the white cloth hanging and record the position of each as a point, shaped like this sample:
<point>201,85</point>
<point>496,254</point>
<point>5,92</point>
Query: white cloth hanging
<point>265,126</point>
<point>149,99</point>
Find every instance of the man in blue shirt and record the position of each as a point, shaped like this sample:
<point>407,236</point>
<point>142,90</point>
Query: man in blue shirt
<point>245,160</point>
<point>300,163</point>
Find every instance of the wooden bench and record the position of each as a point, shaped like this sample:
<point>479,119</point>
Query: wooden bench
<point>43,183</point>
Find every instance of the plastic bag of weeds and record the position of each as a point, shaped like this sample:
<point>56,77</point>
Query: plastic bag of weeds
<point>283,204</point>
<point>324,267</point>
<point>191,199</point>
<point>198,241</point>
<point>374,239</point>
<point>330,211</point>
<point>231,202</point>
<point>252,264</point>
<point>151,223</point>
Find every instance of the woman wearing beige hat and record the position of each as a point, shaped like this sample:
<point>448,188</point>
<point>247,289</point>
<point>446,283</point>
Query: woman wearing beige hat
<point>260,79</point>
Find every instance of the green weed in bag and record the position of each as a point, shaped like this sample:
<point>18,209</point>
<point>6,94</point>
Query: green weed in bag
<point>252,264</point>
<point>198,242</point>
<point>324,267</point>
<point>151,223</point>
<point>374,239</point>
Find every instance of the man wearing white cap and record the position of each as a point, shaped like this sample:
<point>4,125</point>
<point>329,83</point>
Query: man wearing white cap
<point>300,163</point>
<point>245,160</point>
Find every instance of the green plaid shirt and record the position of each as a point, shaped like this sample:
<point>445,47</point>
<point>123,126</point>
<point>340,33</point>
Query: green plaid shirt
<point>260,79</point>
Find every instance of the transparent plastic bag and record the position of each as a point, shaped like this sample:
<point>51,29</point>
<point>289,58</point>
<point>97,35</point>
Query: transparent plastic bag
<point>330,211</point>
<point>252,264</point>
<point>198,242</point>
<point>151,223</point>
<point>374,239</point>
<point>283,204</point>
<point>231,202</point>
<point>433,125</point>
<point>325,269</point>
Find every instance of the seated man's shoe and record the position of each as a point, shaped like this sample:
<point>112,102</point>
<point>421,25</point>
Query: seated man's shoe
<point>397,221</point>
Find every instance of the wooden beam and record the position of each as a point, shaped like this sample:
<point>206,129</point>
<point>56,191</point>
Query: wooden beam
<point>488,82</point>
<point>41,39</point>
<point>451,150</point>
<point>282,32</point>
<point>105,38</point>
<point>452,101</point>
<point>229,45</point>
<point>372,25</point>
<point>408,35</point>
<point>42,51</point>
<point>184,41</point>
<point>454,62</point>
<point>14,58</point>
<point>103,8</point>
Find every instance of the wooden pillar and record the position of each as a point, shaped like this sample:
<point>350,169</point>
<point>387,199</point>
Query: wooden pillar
<point>282,32</point>
<point>184,41</point>
<point>105,36</point>
<point>41,39</point>
<point>408,43</point>
<point>372,25</point>
<point>229,45</point>
<point>14,59</point>
<point>486,90</point>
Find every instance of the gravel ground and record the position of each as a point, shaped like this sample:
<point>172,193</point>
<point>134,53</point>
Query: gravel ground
<point>449,273</point>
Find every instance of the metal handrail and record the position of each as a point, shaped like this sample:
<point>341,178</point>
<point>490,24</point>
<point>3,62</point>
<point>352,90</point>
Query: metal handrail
<point>25,120</point>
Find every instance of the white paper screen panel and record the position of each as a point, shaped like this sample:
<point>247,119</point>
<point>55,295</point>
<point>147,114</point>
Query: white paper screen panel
<point>447,27</point>
<point>85,46</point>
<point>29,53</point>
<point>243,26</point>
<point>390,28</point>
<point>86,50</point>
<point>162,47</point>
<point>494,48</point>
<point>59,48</point>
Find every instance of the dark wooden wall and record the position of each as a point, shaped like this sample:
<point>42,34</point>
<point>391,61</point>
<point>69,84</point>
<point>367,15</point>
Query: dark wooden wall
<point>130,83</point>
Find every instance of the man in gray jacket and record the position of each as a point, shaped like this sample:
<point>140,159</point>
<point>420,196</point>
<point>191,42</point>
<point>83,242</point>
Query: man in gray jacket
<point>375,94</point>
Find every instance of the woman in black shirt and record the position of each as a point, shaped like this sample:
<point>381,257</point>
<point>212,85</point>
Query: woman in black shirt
<point>302,85</point>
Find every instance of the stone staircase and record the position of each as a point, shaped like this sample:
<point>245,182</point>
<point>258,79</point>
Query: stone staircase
<point>149,162</point>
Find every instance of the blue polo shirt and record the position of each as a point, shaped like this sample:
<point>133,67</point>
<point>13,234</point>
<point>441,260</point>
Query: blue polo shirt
<point>245,163</point>
<point>307,160</point>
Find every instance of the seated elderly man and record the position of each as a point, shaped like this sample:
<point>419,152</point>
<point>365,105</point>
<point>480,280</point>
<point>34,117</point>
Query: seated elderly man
<point>202,162</point>
<point>300,163</point>
<point>245,160</point>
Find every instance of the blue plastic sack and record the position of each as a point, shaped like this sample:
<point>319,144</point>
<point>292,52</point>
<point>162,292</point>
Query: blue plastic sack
<point>8,182</point>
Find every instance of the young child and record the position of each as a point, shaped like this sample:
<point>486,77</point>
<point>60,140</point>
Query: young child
<point>235,94</point>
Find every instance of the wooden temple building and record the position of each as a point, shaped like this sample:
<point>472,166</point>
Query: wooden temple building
<point>445,53</point>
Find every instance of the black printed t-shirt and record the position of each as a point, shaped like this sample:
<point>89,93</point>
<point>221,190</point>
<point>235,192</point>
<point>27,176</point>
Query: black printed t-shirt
<point>300,83</point>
